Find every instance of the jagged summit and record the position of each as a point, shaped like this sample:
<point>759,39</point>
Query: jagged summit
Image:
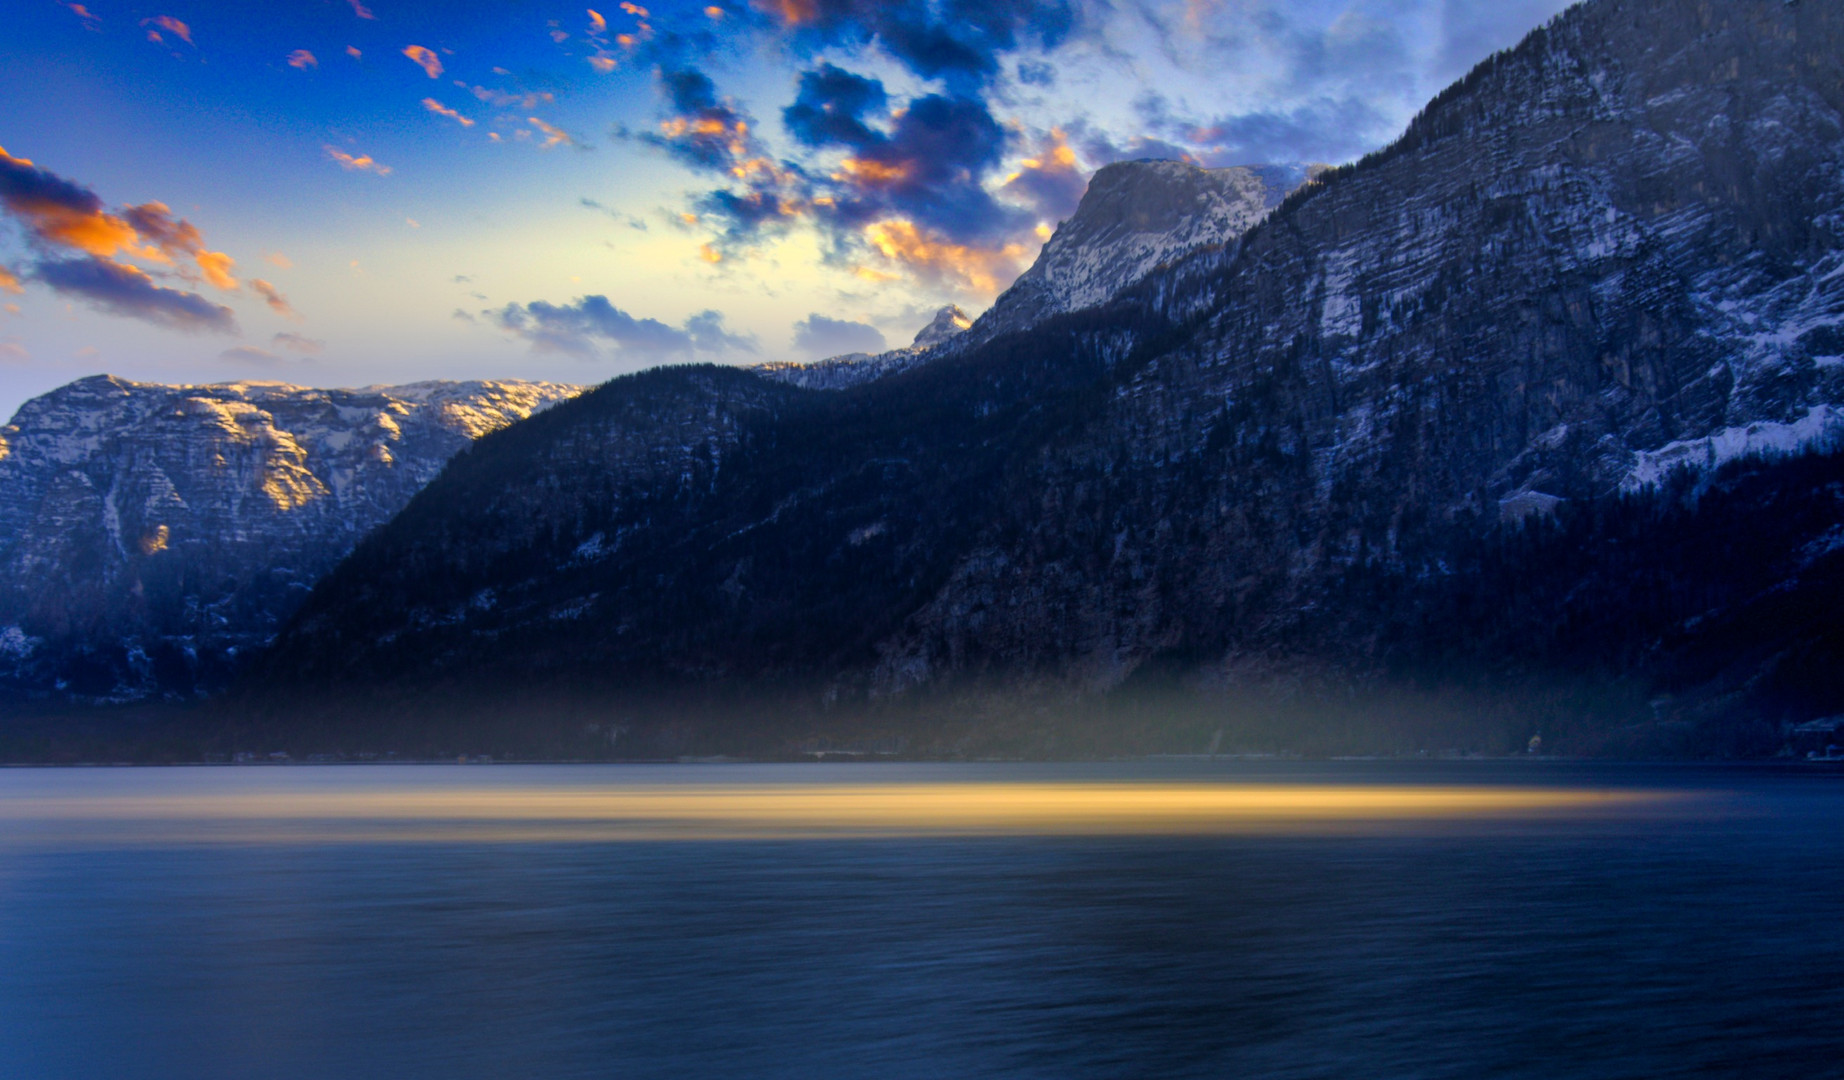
<point>1135,216</point>
<point>947,323</point>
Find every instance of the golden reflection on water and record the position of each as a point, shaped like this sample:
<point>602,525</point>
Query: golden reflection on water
<point>489,814</point>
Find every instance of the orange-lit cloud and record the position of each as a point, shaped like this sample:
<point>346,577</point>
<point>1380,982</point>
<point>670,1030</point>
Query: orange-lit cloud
<point>440,109</point>
<point>597,24</point>
<point>361,163</point>
<point>273,297</point>
<point>59,212</point>
<point>90,22</point>
<point>980,270</point>
<point>353,51</point>
<point>361,10</point>
<point>714,12</point>
<point>1051,181</point>
<point>634,9</point>
<point>552,136</point>
<point>302,59</point>
<point>425,59</point>
<point>277,259</point>
<point>603,63</point>
<point>790,12</point>
<point>216,266</point>
<point>170,25</point>
<point>9,282</point>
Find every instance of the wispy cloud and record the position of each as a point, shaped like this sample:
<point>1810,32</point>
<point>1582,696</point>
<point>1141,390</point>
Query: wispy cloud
<point>168,23</point>
<point>9,282</point>
<point>425,59</point>
<point>90,22</point>
<point>440,109</point>
<point>361,10</point>
<point>552,136</point>
<point>274,298</point>
<point>360,163</point>
<point>306,346</point>
<point>302,60</point>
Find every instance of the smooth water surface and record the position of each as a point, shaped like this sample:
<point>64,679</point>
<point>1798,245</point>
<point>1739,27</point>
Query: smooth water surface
<point>1134,920</point>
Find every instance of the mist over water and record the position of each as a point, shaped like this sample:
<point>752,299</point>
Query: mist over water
<point>1462,920</point>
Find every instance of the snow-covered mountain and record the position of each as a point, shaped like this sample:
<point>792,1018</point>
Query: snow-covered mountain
<point>149,533</point>
<point>854,369</point>
<point>1135,217</point>
<point>1616,248</point>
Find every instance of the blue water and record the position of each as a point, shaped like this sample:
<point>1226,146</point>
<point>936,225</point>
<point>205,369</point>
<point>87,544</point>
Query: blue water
<point>1704,941</point>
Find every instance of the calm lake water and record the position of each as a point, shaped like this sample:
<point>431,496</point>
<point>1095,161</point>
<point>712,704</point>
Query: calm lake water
<point>1140,920</point>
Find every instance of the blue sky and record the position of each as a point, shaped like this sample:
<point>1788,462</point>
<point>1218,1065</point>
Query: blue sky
<point>340,193</point>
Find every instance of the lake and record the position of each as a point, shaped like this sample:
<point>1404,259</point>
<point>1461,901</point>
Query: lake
<point>1149,919</point>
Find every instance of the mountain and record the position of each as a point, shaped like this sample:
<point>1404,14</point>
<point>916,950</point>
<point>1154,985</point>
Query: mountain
<point>852,369</point>
<point>1134,217</point>
<point>151,534</point>
<point>1348,457</point>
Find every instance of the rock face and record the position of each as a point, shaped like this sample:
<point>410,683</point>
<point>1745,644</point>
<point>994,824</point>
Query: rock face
<point>1613,250</point>
<point>854,369</point>
<point>1135,217</point>
<point>149,534</point>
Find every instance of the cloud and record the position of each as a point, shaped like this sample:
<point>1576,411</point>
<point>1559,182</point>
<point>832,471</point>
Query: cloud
<point>12,351</point>
<point>503,100</point>
<point>361,10</point>
<point>1051,183</point>
<point>170,25</point>
<point>306,346</point>
<point>552,136</point>
<point>832,106</point>
<point>59,212</point>
<point>125,290</point>
<point>700,130</point>
<point>353,51</point>
<point>936,259</point>
<point>958,41</point>
<point>302,59</point>
<point>362,163</point>
<point>60,215</point>
<point>578,327</point>
<point>273,297</point>
<point>439,109</point>
<point>425,59</point>
<point>250,355</point>
<point>216,267</point>
<point>823,336</point>
<point>90,22</point>
<point>279,260</point>
<point>9,282</point>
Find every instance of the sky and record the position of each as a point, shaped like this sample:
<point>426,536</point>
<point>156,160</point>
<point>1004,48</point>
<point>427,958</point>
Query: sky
<point>351,192</point>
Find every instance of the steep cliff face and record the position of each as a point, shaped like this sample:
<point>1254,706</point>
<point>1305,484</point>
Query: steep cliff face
<point>149,533</point>
<point>1135,217</point>
<point>1615,249</point>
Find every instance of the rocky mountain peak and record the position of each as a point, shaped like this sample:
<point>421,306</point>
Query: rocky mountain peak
<point>1135,216</point>
<point>948,322</point>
